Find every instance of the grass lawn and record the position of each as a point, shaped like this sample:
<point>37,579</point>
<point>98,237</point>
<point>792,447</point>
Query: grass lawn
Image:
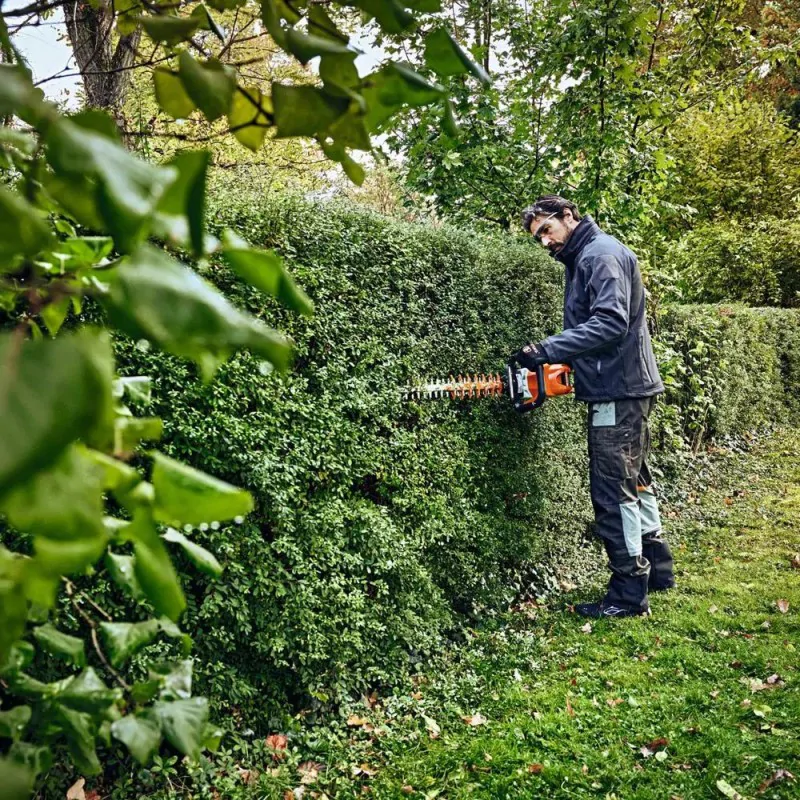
<point>700,700</point>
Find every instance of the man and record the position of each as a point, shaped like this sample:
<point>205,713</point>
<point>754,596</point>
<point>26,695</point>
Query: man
<point>607,344</point>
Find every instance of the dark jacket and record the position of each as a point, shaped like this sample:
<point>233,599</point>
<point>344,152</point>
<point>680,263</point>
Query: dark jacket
<point>605,337</point>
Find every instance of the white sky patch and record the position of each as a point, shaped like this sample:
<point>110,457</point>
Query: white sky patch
<point>46,48</point>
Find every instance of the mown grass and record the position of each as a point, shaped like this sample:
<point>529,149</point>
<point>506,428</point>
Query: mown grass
<point>701,700</point>
<point>710,681</point>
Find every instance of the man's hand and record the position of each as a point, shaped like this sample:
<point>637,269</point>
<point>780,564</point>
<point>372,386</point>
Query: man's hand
<point>530,356</point>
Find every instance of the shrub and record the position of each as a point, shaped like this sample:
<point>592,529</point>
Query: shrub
<point>756,263</point>
<point>382,524</point>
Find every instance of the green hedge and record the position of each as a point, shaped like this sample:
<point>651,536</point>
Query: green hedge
<point>381,525</point>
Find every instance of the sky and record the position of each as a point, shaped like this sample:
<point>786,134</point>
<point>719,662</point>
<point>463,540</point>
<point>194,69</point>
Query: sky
<point>48,54</point>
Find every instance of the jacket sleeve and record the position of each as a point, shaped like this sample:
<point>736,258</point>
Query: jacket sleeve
<point>609,291</point>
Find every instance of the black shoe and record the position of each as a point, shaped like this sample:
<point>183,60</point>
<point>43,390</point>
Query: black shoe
<point>602,610</point>
<point>665,587</point>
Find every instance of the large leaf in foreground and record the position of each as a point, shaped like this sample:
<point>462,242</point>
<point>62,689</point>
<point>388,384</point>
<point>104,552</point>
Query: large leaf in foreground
<point>51,393</point>
<point>153,297</point>
<point>265,270</point>
<point>140,735</point>
<point>186,495</point>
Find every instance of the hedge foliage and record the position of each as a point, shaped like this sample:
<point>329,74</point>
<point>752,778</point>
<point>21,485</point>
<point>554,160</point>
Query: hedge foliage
<point>382,524</point>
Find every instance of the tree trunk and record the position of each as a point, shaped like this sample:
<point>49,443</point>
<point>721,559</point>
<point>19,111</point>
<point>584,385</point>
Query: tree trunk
<point>105,68</point>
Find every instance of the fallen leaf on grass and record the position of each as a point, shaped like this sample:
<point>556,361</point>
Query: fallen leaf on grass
<point>661,755</point>
<point>774,680</point>
<point>587,628</point>
<point>535,769</point>
<point>354,721</point>
<point>657,744</point>
<point>728,790</point>
<point>309,771</point>
<point>475,720</point>
<point>365,770</point>
<point>585,769</point>
<point>432,726</point>
<point>714,695</point>
<point>616,701</point>
<point>407,789</point>
<point>783,606</point>
<point>795,562</point>
<point>278,743</point>
<point>570,709</point>
<point>712,609</point>
<point>776,777</point>
<point>761,711</point>
<point>754,684</point>
<point>75,792</point>
<point>248,776</point>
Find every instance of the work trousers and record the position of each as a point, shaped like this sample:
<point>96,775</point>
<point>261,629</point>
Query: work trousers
<point>625,507</point>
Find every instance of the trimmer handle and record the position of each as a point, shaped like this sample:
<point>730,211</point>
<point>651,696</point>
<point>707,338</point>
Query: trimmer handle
<point>528,389</point>
<point>524,396</point>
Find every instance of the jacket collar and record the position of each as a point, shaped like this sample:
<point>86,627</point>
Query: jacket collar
<point>586,231</point>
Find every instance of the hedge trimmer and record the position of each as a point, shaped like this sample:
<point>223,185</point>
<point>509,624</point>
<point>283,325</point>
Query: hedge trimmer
<point>528,389</point>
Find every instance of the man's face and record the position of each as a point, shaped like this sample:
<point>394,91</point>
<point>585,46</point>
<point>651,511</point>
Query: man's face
<point>552,231</point>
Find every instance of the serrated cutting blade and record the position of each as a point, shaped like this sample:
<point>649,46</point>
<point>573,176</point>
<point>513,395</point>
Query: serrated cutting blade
<point>490,385</point>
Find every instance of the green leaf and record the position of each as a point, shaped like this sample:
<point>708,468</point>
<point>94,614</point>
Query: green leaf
<point>154,569</point>
<point>445,56</point>
<point>139,388</point>
<point>248,118</point>
<point>64,501</point>
<point>14,722</point>
<point>425,6</point>
<point>392,88</point>
<point>174,679</point>
<point>265,270</point>
<point>117,475</point>
<point>140,735</point>
<point>307,46</point>
<point>305,110</point>
<point>55,558</point>
<point>19,97</point>
<point>320,24</point>
<point>226,5</point>
<point>123,639</point>
<point>199,556</point>
<point>184,201</point>
<point>185,495</point>
<point>127,188</point>
<point>122,570</point>
<point>54,314</point>
<point>87,692</point>
<point>35,758</point>
<point>93,119</point>
<point>210,85</point>
<point>352,168</point>
<point>70,648</point>
<point>53,393</point>
<point>14,569</point>
<point>449,124</point>
<point>170,94</point>
<point>130,431</point>
<point>212,737</point>
<point>23,229</point>
<point>183,723</point>
<point>172,30</point>
<point>17,779</point>
<point>339,73</point>
<point>156,298</point>
<point>80,735</point>
<point>390,14</point>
